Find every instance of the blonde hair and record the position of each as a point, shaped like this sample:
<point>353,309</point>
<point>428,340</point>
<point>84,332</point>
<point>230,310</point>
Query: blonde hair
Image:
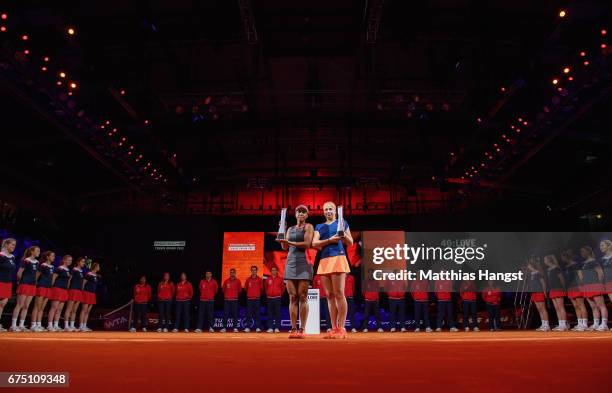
<point>8,241</point>
<point>553,259</point>
<point>29,251</point>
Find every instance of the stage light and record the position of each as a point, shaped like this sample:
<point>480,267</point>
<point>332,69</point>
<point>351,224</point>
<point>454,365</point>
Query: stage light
<point>4,16</point>
<point>555,81</point>
<point>46,59</point>
<point>479,120</point>
<point>123,139</point>
<point>570,78</point>
<point>71,31</point>
<point>59,83</point>
<point>132,147</point>
<point>586,63</point>
<point>110,134</point>
<point>503,89</point>
<point>498,150</point>
<point>62,74</point>
<point>604,32</point>
<point>43,69</point>
<point>3,29</point>
<point>146,122</point>
<point>482,164</point>
<point>566,70</point>
<point>599,216</point>
<point>69,93</point>
<point>73,85</point>
<point>603,46</point>
<point>24,37</point>
<point>562,13</point>
<point>512,127</point>
<point>122,92</point>
<point>107,122</point>
<point>26,51</point>
<point>582,54</point>
<point>525,123</point>
<point>518,130</point>
<point>504,136</point>
<point>451,153</point>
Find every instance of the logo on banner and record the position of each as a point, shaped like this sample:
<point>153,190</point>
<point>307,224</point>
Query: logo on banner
<point>160,245</point>
<point>241,247</point>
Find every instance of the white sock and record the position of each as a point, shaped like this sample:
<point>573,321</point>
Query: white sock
<point>544,323</point>
<point>595,321</point>
<point>604,322</point>
<point>562,323</point>
<point>65,324</point>
<point>14,323</point>
<point>72,324</point>
<point>57,324</point>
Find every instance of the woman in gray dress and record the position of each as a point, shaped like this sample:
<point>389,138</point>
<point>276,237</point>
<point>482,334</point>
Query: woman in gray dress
<point>298,272</point>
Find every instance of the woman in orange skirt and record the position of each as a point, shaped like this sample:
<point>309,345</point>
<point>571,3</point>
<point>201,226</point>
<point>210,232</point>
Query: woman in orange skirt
<point>333,267</point>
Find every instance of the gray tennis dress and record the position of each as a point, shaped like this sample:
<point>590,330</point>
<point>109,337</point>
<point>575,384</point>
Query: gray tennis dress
<point>297,268</point>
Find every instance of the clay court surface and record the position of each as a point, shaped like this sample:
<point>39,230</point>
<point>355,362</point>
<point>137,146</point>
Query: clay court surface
<point>374,362</point>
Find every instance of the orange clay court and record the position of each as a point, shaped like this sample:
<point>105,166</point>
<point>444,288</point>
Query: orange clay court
<point>457,362</point>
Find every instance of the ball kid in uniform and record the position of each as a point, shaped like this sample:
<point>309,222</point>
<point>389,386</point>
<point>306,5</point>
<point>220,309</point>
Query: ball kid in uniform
<point>75,294</point>
<point>7,268</point>
<point>59,292</point>
<point>89,295</point>
<point>43,289</point>
<point>26,290</point>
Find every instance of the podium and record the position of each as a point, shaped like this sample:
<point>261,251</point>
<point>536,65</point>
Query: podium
<point>313,324</point>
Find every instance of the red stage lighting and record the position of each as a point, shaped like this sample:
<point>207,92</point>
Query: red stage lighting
<point>73,85</point>
<point>26,51</point>
<point>4,16</point>
<point>46,59</point>
<point>24,37</point>
<point>586,63</point>
<point>604,32</point>
<point>566,70</point>
<point>43,69</point>
<point>3,29</point>
<point>603,46</point>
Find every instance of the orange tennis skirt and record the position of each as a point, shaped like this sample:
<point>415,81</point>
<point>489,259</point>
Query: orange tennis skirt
<point>330,265</point>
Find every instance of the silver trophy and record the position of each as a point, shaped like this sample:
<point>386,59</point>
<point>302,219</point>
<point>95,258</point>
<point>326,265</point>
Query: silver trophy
<point>282,228</point>
<point>340,232</point>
